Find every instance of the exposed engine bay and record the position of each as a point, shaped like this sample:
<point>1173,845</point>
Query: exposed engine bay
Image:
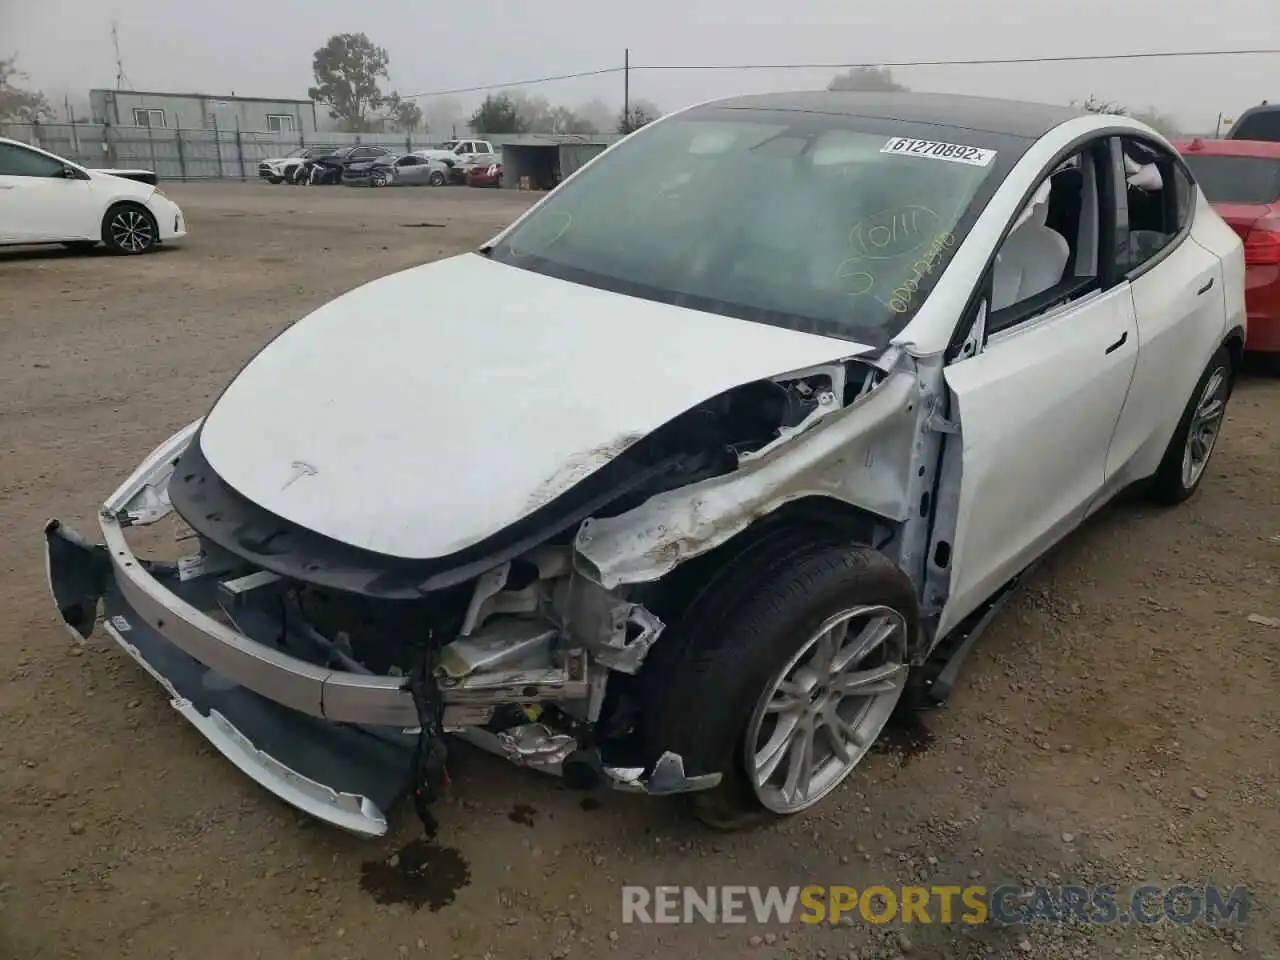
<point>507,644</point>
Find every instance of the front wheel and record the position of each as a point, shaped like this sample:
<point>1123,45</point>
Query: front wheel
<point>275,180</point>
<point>1187,457</point>
<point>379,178</point>
<point>129,229</point>
<point>788,691</point>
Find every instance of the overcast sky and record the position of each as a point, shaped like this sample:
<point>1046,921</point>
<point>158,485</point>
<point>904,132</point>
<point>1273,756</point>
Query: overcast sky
<point>264,47</point>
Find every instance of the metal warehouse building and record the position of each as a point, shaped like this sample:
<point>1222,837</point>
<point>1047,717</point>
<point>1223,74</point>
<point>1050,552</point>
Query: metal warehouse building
<point>547,158</point>
<point>200,111</point>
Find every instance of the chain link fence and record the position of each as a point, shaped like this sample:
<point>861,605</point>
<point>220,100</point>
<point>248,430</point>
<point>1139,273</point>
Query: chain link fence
<point>187,154</point>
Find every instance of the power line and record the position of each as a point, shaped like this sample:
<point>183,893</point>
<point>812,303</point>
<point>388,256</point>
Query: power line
<point>984,61</point>
<point>517,83</point>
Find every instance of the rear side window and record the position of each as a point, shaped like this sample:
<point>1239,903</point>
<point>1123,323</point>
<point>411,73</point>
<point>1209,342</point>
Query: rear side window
<point>1236,179</point>
<point>1263,125</point>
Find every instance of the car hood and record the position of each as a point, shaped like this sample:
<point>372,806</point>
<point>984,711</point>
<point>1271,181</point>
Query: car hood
<point>428,410</point>
<point>137,182</point>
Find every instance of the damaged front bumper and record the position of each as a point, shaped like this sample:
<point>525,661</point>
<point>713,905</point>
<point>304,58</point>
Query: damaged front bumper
<point>335,744</point>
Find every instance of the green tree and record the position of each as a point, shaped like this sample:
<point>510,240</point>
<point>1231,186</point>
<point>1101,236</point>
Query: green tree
<point>16,103</point>
<point>347,69</point>
<point>498,114</point>
<point>403,115</point>
<point>867,78</point>
<point>641,113</point>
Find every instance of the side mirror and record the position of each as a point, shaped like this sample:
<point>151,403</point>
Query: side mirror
<point>69,173</point>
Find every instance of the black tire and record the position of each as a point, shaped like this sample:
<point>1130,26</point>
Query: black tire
<point>80,246</point>
<point>129,229</point>
<point>1169,486</point>
<point>437,179</point>
<point>379,178</point>
<point>703,679</point>
<point>275,180</point>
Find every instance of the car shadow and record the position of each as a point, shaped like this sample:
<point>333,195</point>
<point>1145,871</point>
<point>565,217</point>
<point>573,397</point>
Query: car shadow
<point>19,254</point>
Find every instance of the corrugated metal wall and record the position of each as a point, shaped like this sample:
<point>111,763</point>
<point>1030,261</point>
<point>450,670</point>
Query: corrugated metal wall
<point>204,154</point>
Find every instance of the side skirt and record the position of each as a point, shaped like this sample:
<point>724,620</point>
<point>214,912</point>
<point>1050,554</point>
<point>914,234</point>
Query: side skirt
<point>937,678</point>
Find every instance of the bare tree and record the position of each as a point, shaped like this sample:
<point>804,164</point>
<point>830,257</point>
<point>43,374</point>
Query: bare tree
<point>403,115</point>
<point>17,103</point>
<point>867,78</point>
<point>1161,122</point>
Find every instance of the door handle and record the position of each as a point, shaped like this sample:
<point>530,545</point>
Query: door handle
<point>1124,337</point>
<point>1206,288</point>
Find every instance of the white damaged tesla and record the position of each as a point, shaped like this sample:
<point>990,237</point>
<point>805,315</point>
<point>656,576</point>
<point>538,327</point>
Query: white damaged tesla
<point>776,400</point>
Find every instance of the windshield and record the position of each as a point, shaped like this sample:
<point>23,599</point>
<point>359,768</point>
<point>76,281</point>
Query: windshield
<point>793,219</point>
<point>1236,179</point>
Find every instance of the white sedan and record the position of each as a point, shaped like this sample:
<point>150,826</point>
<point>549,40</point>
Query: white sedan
<point>765,411</point>
<point>46,199</point>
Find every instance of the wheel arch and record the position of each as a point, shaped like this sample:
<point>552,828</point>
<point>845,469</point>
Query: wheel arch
<point>735,566</point>
<point>1234,342</point>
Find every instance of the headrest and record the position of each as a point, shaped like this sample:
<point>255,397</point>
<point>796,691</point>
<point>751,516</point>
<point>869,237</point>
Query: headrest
<point>1143,176</point>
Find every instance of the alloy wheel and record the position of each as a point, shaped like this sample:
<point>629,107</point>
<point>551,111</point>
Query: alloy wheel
<point>821,713</point>
<point>132,231</point>
<point>1206,424</point>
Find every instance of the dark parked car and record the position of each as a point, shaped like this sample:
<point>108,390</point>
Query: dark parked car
<point>335,164</point>
<point>1257,123</point>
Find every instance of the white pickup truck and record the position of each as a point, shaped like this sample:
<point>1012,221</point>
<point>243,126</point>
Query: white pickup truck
<point>458,151</point>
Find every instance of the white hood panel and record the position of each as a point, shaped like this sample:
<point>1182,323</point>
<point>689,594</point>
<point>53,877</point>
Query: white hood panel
<point>425,411</point>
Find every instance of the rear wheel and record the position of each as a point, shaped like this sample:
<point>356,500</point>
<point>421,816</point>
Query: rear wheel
<point>130,229</point>
<point>784,680</point>
<point>1187,457</point>
<point>437,179</point>
<point>379,178</point>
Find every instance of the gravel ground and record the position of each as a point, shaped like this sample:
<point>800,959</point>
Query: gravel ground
<point>1117,725</point>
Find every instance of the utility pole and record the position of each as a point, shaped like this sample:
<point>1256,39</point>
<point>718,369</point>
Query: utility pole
<point>626,87</point>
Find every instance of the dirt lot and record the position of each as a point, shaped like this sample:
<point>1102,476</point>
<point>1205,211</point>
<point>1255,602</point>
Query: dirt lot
<point>1118,725</point>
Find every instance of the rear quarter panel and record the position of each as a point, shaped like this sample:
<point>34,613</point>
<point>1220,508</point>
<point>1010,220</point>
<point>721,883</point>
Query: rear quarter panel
<point>1212,233</point>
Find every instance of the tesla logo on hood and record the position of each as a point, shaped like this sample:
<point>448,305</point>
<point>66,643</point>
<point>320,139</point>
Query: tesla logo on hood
<point>300,469</point>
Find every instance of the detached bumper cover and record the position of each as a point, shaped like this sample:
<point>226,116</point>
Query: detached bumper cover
<point>347,776</point>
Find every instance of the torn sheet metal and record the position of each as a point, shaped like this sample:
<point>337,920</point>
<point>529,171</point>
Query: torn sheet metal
<point>859,455</point>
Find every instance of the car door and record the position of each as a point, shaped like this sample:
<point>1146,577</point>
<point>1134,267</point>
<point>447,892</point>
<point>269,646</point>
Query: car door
<point>1037,402</point>
<point>411,171</point>
<point>39,202</point>
<point>1178,297</point>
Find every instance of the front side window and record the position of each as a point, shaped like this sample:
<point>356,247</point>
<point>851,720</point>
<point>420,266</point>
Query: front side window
<point>17,161</point>
<point>1050,255</point>
<point>830,224</point>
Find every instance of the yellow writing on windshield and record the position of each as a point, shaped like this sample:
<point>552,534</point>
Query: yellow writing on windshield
<point>893,233</point>
<point>904,294</point>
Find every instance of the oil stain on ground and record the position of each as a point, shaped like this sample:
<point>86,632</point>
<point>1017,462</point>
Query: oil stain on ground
<point>421,874</point>
<point>523,814</point>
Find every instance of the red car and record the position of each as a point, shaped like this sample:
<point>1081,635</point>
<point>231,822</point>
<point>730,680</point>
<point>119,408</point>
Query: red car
<point>490,176</point>
<point>1241,178</point>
